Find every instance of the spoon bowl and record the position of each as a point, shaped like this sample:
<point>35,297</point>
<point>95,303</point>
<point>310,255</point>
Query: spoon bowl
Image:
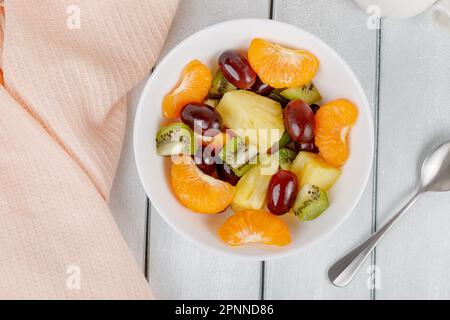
<point>435,173</point>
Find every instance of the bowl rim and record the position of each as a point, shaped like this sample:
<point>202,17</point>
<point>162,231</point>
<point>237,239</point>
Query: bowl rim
<point>273,255</point>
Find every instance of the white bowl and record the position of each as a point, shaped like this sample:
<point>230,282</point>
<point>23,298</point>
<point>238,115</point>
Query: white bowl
<point>335,80</point>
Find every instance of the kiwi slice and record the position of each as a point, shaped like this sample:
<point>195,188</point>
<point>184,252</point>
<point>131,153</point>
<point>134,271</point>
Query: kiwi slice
<point>240,171</point>
<point>237,155</point>
<point>211,102</point>
<point>276,95</point>
<point>174,139</point>
<point>285,140</point>
<point>307,93</point>
<point>220,86</point>
<point>310,203</point>
<point>287,156</point>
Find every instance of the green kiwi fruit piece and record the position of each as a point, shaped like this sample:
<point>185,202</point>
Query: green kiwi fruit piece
<point>283,142</point>
<point>310,203</point>
<point>240,171</point>
<point>285,139</point>
<point>276,95</point>
<point>287,156</point>
<point>308,93</point>
<point>219,86</point>
<point>211,102</point>
<point>238,155</point>
<point>175,139</point>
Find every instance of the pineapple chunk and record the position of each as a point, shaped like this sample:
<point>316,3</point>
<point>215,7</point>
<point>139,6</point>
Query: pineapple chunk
<point>312,169</point>
<point>251,190</point>
<point>257,119</point>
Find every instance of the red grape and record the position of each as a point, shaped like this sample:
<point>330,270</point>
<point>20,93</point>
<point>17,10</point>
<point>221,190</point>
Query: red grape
<point>307,146</point>
<point>225,173</point>
<point>205,160</point>
<point>261,88</point>
<point>203,117</point>
<point>282,192</point>
<point>236,69</point>
<point>299,121</point>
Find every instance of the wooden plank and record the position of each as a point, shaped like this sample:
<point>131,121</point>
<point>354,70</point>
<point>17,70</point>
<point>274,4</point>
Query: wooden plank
<point>343,26</point>
<point>177,268</point>
<point>128,201</point>
<point>414,258</point>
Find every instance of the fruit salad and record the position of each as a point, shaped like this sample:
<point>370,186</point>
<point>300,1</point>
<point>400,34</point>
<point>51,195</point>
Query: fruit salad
<point>256,137</point>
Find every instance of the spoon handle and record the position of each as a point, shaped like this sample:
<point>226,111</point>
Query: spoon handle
<point>343,271</point>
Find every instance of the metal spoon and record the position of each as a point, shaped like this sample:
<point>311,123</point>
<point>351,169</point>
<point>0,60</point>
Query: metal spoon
<point>434,176</point>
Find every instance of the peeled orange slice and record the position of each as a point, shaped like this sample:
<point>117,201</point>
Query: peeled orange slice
<point>333,123</point>
<point>281,67</point>
<point>198,191</point>
<point>194,86</point>
<point>255,226</point>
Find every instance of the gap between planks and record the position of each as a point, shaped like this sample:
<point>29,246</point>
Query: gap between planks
<point>373,256</point>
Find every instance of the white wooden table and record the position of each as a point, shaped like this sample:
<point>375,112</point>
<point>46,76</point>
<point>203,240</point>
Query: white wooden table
<point>405,70</point>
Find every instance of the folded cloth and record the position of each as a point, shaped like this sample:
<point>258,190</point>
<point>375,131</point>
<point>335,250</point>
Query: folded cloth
<point>67,67</point>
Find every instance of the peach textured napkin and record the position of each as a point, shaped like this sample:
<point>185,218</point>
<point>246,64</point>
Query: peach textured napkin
<point>67,67</point>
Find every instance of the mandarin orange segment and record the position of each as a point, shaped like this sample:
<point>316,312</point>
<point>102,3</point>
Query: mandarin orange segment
<point>255,226</point>
<point>193,87</point>
<point>333,123</point>
<point>198,191</point>
<point>281,67</point>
